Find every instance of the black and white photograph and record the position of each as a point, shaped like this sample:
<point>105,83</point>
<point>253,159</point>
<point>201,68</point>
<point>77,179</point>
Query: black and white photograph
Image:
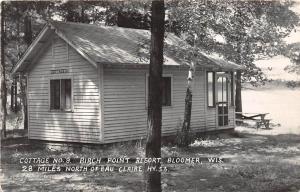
<point>150,95</point>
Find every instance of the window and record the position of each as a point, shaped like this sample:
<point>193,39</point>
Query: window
<point>166,90</point>
<point>210,89</point>
<point>60,94</point>
<point>222,87</point>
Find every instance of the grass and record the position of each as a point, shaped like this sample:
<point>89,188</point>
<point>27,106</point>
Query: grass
<point>267,176</point>
<point>257,163</point>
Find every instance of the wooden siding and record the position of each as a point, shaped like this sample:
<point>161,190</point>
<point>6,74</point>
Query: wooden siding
<point>83,123</point>
<point>124,104</point>
<point>125,112</point>
<point>118,106</point>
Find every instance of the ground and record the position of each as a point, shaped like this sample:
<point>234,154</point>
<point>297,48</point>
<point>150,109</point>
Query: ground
<point>259,160</point>
<point>257,163</point>
<point>280,102</point>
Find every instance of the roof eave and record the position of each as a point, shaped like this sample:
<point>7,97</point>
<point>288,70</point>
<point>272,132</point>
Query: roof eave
<point>44,32</point>
<point>27,53</point>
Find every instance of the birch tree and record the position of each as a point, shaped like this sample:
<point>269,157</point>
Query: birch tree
<point>249,30</point>
<point>186,126</point>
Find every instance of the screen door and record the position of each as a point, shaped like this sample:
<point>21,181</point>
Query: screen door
<point>222,98</point>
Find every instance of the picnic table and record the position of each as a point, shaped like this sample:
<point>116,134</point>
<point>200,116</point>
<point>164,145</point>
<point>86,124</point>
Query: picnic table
<point>259,118</point>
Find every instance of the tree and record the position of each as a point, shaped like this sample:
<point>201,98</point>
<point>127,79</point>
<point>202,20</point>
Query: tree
<point>186,126</point>
<point>73,11</point>
<point>23,83</point>
<point>128,14</point>
<point>24,20</point>
<point>3,75</point>
<point>27,30</point>
<point>19,36</point>
<point>293,53</point>
<point>260,28</point>
<point>250,30</point>
<point>153,144</point>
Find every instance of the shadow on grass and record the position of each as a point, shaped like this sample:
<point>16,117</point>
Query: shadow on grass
<point>89,183</point>
<point>259,163</point>
<point>284,145</point>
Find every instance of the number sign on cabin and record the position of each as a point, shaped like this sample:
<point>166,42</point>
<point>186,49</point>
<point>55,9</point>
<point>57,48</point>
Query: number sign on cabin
<point>58,71</point>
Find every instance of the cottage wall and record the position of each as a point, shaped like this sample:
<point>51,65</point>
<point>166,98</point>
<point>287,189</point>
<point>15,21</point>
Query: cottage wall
<point>123,92</point>
<point>83,123</point>
<point>125,111</point>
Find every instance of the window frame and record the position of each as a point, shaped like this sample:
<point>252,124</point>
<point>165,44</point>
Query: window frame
<point>147,89</point>
<point>214,89</point>
<point>225,74</point>
<point>60,77</point>
<point>232,88</point>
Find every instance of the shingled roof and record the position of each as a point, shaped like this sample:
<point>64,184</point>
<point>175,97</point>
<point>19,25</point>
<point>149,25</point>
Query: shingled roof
<point>104,44</point>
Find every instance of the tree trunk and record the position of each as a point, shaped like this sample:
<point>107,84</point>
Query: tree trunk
<point>15,82</point>
<point>27,30</point>
<point>238,94</point>
<point>15,95</point>
<point>153,145</point>
<point>3,77</point>
<point>186,127</point>
<point>238,88</point>
<point>23,94</point>
<point>23,82</point>
<point>12,97</point>
<point>82,15</point>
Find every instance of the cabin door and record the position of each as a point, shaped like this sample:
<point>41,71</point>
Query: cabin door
<point>222,98</point>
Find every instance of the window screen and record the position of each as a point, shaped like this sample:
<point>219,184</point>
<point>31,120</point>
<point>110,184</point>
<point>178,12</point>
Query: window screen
<point>210,89</point>
<point>60,94</point>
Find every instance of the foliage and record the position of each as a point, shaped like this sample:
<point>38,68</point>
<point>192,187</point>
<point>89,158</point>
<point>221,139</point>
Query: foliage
<point>15,14</point>
<point>124,14</point>
<point>293,52</point>
<point>293,84</point>
<point>240,31</point>
<point>128,14</point>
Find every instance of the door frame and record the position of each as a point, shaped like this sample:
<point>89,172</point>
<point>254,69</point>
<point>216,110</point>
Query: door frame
<point>227,102</point>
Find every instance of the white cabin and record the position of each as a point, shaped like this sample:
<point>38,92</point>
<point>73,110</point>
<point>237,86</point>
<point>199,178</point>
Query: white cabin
<point>88,84</point>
